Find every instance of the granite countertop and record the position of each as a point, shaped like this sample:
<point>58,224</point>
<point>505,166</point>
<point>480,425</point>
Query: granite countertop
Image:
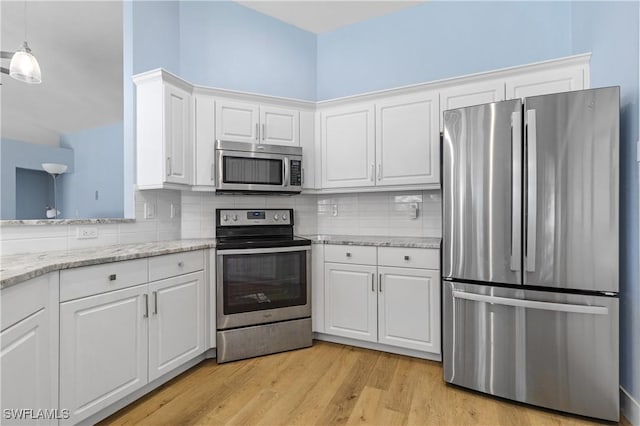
<point>38,222</point>
<point>21,267</point>
<point>378,241</point>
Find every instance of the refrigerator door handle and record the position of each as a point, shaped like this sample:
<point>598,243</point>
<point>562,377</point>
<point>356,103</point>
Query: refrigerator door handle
<point>533,304</point>
<point>516,190</point>
<point>532,177</point>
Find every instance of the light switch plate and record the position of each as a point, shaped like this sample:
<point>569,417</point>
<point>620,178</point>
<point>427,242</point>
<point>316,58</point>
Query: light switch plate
<point>86,232</point>
<point>149,210</point>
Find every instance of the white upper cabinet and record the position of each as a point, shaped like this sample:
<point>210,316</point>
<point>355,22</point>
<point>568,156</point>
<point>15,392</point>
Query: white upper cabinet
<point>253,123</point>
<point>205,141</point>
<point>407,140</point>
<point>348,146</point>
<point>279,126</point>
<point>310,149</point>
<point>464,95</point>
<point>544,82</point>
<point>163,131</point>
<point>236,121</point>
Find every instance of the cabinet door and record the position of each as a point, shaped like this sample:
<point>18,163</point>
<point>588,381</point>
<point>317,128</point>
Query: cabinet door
<point>176,325</point>
<point>237,121</point>
<point>279,126</point>
<point>465,95</point>
<point>348,145</point>
<point>103,349</point>
<point>409,308</point>
<point>308,142</point>
<point>178,144</point>
<point>557,80</point>
<point>25,366</point>
<point>205,140</point>
<point>351,301</point>
<point>408,140</point>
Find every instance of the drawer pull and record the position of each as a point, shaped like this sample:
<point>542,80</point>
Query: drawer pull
<point>373,285</point>
<point>146,306</point>
<point>112,277</point>
<point>406,258</point>
<point>180,264</point>
<point>348,254</point>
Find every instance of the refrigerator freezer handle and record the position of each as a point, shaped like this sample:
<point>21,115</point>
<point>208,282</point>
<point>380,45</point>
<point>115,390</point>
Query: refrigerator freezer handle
<point>532,304</point>
<point>532,178</point>
<point>516,190</point>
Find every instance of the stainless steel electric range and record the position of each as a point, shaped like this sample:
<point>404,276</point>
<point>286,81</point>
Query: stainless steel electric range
<point>263,284</point>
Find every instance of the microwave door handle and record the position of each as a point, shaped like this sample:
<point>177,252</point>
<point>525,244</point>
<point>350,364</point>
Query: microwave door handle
<point>286,171</point>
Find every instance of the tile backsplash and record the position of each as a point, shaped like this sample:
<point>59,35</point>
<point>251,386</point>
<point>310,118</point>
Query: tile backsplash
<point>414,213</point>
<point>15,239</point>
<point>192,215</point>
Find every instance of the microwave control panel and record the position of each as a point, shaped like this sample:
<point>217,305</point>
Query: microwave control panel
<point>296,173</point>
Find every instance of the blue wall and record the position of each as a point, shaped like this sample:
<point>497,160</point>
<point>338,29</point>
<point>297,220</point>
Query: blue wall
<point>99,167</point>
<point>14,154</point>
<point>32,203</point>
<point>610,31</point>
<point>438,40</point>
<point>224,44</point>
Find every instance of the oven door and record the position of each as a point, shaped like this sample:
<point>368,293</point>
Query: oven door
<point>256,171</point>
<point>257,286</point>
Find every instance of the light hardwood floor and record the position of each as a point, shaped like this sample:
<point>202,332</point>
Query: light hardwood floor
<point>327,384</point>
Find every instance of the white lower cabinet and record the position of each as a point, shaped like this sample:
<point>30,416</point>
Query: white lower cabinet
<point>176,322</point>
<point>394,299</point>
<point>103,350</point>
<point>351,306</point>
<point>115,342</point>
<point>409,308</point>
<point>29,352</point>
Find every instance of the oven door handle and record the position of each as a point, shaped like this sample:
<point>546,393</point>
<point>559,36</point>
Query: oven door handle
<point>263,250</point>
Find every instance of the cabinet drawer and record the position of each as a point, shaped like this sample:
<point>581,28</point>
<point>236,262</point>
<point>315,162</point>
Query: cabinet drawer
<point>89,280</point>
<point>170,265</point>
<point>409,257</point>
<point>362,255</point>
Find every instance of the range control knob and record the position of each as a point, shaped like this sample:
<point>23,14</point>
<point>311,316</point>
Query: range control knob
<point>284,216</point>
<point>225,218</point>
<point>276,217</point>
<point>235,217</point>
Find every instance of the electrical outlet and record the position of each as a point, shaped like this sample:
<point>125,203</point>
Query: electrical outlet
<point>86,232</point>
<point>175,211</point>
<point>334,210</point>
<point>149,211</point>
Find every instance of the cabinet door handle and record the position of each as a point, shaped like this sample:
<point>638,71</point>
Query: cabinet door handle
<point>180,264</point>
<point>407,258</point>
<point>380,283</point>
<point>257,131</point>
<point>155,303</point>
<point>168,166</point>
<point>373,172</point>
<point>146,306</point>
<point>348,254</point>
<point>263,132</point>
<point>379,171</point>
<point>373,285</point>
<point>112,277</point>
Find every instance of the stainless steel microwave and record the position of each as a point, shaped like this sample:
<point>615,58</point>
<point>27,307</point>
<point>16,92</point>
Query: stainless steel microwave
<point>256,168</point>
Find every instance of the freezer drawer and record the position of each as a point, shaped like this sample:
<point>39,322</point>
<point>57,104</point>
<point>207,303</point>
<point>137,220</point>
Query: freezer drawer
<point>554,350</point>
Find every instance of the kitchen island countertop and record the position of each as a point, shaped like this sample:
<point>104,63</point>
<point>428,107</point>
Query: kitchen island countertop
<point>17,268</point>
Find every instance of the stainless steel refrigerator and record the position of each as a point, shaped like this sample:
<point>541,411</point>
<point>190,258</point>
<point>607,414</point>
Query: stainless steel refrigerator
<point>530,250</point>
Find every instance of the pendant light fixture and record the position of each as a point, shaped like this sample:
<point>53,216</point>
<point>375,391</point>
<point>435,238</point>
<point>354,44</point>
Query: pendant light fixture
<point>24,66</point>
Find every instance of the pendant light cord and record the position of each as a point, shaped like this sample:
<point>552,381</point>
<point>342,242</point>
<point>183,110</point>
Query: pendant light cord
<point>25,20</point>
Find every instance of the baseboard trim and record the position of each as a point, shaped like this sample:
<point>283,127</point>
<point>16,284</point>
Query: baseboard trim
<point>629,407</point>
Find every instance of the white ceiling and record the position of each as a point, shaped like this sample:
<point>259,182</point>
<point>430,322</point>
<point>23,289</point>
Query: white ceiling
<point>79,47</point>
<point>322,16</point>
